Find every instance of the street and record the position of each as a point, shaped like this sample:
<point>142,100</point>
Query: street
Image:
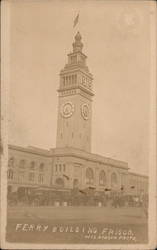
<point>82,214</point>
<point>77,224</point>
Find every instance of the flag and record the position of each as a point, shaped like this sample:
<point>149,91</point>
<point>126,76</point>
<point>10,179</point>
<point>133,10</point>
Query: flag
<point>81,191</point>
<point>91,187</point>
<point>76,20</point>
<point>67,177</point>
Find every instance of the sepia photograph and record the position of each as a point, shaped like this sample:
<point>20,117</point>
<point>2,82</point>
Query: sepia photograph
<point>78,124</point>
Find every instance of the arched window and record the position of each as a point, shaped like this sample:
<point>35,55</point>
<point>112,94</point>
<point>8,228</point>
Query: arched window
<point>89,176</point>
<point>114,180</point>
<point>11,162</point>
<point>60,182</point>
<point>32,165</point>
<point>10,174</point>
<point>102,178</point>
<point>41,167</point>
<point>22,163</point>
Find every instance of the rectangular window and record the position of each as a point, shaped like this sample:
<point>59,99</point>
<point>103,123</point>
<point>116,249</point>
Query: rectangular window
<point>22,164</point>
<point>101,182</point>
<point>60,167</point>
<point>41,167</point>
<point>83,79</point>
<point>69,79</point>
<point>64,167</point>
<point>21,176</point>
<point>63,81</point>
<point>66,80</point>
<point>75,79</point>
<point>56,168</point>
<point>11,162</point>
<point>32,165</point>
<point>10,174</point>
<point>41,178</point>
<point>89,181</point>
<point>73,59</point>
<point>31,177</point>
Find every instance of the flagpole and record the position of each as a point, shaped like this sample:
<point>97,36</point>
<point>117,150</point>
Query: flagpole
<point>75,27</point>
<point>76,23</point>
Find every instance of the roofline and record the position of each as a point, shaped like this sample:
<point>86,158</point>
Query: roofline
<point>73,152</point>
<point>141,175</point>
<point>32,150</point>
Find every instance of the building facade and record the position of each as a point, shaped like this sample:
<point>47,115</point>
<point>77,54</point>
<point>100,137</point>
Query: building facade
<point>71,165</point>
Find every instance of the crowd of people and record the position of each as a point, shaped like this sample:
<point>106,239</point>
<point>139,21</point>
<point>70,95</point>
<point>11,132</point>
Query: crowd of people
<point>77,198</point>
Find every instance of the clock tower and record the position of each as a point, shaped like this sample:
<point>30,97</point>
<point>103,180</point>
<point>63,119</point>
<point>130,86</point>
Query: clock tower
<point>75,101</point>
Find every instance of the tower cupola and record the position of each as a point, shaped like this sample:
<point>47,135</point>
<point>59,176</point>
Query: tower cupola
<point>78,45</point>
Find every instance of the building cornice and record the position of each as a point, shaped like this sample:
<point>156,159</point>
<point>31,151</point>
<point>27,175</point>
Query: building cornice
<point>89,92</point>
<point>75,68</point>
<point>72,152</point>
<point>75,53</point>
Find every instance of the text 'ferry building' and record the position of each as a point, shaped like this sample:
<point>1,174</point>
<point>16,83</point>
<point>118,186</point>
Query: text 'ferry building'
<point>71,165</point>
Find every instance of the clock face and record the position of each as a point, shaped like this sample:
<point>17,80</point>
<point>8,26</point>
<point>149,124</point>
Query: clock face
<point>67,109</point>
<point>85,111</point>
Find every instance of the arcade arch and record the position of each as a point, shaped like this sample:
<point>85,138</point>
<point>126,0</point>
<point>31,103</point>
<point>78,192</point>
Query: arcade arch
<point>102,178</point>
<point>114,180</point>
<point>89,176</point>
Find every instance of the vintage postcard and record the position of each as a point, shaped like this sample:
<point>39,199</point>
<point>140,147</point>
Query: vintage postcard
<point>78,125</point>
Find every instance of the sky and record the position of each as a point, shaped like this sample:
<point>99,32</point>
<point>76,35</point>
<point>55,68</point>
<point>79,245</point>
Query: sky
<point>116,40</point>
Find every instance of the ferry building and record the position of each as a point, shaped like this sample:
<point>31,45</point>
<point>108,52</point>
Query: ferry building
<point>71,165</point>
